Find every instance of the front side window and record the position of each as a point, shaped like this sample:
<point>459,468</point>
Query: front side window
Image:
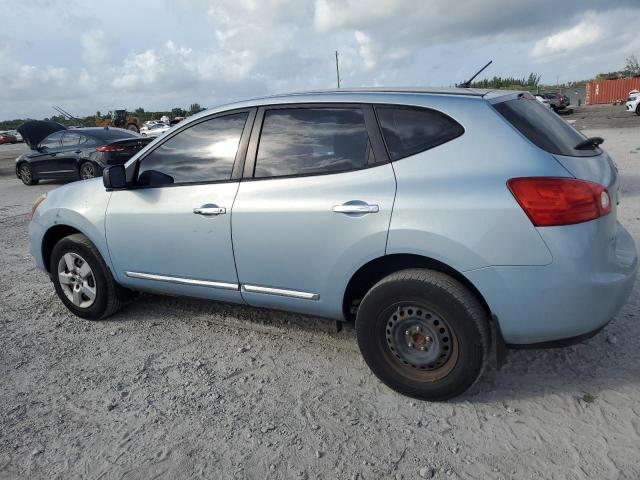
<point>408,130</point>
<point>302,141</point>
<point>204,152</point>
<point>52,141</point>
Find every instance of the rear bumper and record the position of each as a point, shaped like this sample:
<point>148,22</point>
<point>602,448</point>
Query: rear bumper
<point>577,294</point>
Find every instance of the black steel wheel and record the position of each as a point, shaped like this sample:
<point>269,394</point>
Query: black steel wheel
<point>423,334</point>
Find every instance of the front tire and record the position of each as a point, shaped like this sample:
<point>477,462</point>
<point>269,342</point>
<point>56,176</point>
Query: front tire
<point>423,334</point>
<point>26,175</point>
<point>638,110</point>
<point>83,281</point>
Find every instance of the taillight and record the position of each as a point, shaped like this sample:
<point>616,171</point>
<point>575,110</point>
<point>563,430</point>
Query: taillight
<point>111,148</point>
<point>560,201</point>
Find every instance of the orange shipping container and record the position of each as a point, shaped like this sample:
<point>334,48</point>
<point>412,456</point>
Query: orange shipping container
<point>610,91</point>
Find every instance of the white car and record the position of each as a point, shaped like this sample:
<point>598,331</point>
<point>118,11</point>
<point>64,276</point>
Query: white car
<point>154,130</point>
<point>543,101</point>
<point>633,102</point>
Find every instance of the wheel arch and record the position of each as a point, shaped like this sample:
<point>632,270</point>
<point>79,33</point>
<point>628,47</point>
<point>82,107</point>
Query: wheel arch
<point>50,238</point>
<point>375,270</point>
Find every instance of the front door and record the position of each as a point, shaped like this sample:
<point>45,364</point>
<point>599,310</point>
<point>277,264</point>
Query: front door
<point>45,163</point>
<point>317,208</point>
<point>171,232</point>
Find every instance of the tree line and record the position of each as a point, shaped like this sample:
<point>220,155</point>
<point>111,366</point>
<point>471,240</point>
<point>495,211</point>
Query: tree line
<point>90,120</point>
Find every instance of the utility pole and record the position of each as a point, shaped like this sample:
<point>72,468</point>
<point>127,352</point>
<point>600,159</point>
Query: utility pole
<point>337,69</point>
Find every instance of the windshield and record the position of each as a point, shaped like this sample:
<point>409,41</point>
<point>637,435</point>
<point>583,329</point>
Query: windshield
<point>544,127</point>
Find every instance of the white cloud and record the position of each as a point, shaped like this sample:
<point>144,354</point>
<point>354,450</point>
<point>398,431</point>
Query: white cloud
<point>95,47</point>
<point>563,43</point>
<point>91,57</point>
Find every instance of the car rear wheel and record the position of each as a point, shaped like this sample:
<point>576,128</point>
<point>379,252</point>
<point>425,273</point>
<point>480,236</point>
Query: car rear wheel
<point>87,171</point>
<point>638,110</point>
<point>423,334</point>
<point>26,175</point>
<point>83,281</point>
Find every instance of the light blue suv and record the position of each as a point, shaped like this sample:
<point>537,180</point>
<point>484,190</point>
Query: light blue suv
<point>447,223</point>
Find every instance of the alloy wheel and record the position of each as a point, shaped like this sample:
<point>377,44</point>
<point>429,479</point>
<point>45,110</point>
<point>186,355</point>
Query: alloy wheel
<point>76,280</point>
<point>87,171</point>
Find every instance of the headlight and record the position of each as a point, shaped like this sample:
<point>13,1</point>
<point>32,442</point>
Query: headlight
<point>38,201</point>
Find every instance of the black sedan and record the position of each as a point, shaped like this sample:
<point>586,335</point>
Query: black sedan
<point>78,153</point>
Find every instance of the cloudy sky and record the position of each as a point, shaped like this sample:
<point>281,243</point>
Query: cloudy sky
<point>159,54</point>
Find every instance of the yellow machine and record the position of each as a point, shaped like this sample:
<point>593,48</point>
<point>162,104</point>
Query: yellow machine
<point>120,119</point>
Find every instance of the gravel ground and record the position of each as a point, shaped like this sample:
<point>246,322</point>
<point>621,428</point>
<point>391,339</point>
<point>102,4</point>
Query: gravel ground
<point>177,388</point>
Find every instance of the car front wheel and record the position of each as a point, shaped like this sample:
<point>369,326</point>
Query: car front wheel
<point>26,175</point>
<point>423,334</point>
<point>83,281</point>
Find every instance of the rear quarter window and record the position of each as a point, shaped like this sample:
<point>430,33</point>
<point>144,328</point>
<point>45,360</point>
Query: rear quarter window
<point>410,130</point>
<point>543,127</point>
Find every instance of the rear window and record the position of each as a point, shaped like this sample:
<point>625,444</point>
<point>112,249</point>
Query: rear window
<point>543,127</point>
<point>409,130</point>
<point>107,134</point>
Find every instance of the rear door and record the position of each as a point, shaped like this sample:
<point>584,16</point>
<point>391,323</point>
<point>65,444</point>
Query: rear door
<point>70,152</point>
<point>314,205</point>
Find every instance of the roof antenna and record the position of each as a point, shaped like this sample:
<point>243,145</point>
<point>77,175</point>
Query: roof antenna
<point>467,84</point>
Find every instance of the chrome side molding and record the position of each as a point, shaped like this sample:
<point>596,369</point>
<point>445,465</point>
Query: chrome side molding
<point>183,281</point>
<point>280,292</point>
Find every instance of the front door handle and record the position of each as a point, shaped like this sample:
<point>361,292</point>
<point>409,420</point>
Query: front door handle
<point>356,208</point>
<point>210,210</point>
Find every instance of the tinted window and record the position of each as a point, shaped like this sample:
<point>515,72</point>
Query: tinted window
<point>52,141</point>
<point>543,127</point>
<point>202,153</point>
<point>297,141</point>
<point>107,134</point>
<point>408,131</point>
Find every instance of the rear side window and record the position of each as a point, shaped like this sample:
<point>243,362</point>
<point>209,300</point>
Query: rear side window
<point>543,127</point>
<point>303,141</point>
<point>52,141</point>
<point>408,131</point>
<point>204,152</point>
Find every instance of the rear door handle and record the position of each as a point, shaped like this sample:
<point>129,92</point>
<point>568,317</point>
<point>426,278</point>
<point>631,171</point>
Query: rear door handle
<point>356,208</point>
<point>209,210</point>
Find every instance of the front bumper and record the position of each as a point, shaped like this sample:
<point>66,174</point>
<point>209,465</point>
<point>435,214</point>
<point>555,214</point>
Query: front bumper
<point>577,294</point>
<point>36,235</point>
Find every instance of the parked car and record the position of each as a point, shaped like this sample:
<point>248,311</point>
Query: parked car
<point>633,102</point>
<point>556,100</point>
<point>154,130</point>
<point>16,134</point>
<point>543,101</point>
<point>447,223</point>
<point>61,153</point>
<point>6,137</point>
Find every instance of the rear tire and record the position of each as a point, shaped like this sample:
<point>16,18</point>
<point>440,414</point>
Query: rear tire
<point>87,170</point>
<point>83,281</point>
<point>26,175</point>
<point>638,110</point>
<point>423,334</point>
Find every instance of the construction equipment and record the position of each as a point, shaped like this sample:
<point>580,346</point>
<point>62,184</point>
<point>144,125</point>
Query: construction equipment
<point>120,119</point>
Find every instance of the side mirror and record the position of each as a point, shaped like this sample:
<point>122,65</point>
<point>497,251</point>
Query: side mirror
<point>114,177</point>
<point>40,149</point>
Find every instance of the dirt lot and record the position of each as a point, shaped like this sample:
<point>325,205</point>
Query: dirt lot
<point>176,388</point>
